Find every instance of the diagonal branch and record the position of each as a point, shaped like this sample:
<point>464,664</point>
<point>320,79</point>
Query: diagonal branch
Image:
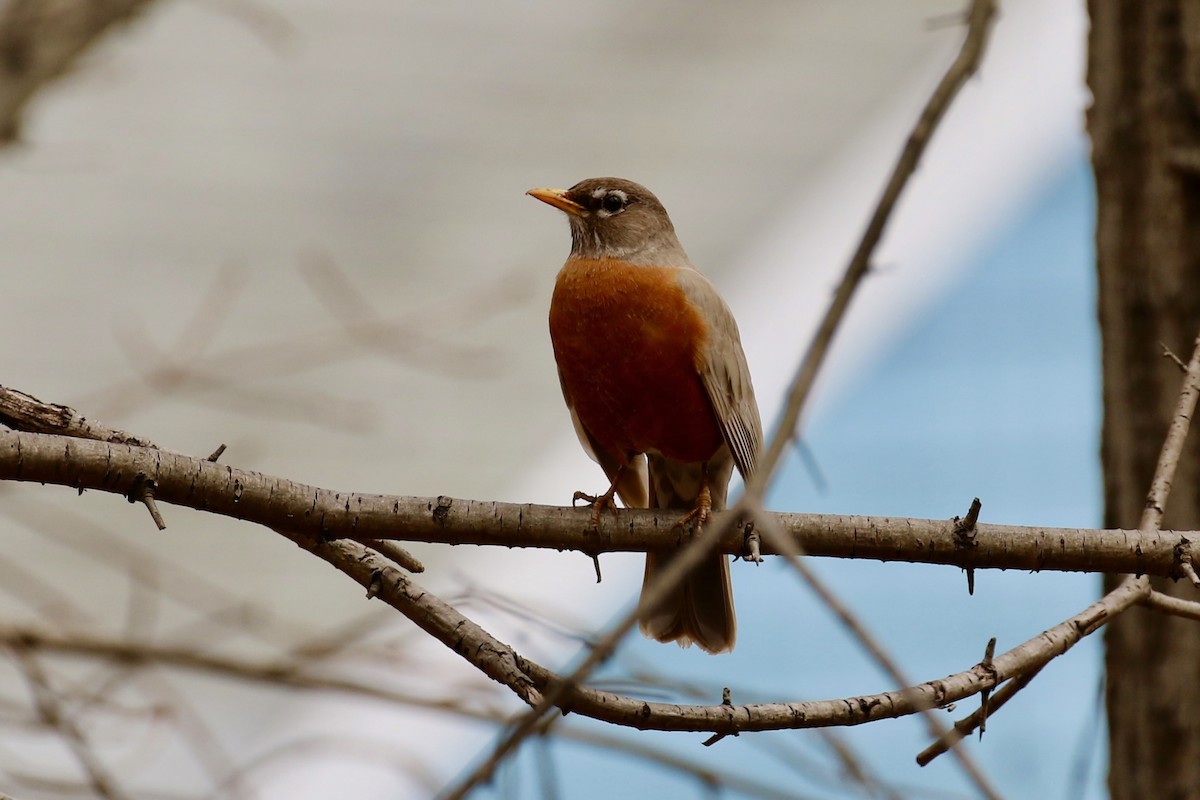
<point>529,679</point>
<point>979,20</point>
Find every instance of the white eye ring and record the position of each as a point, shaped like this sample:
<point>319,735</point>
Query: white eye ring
<point>607,193</point>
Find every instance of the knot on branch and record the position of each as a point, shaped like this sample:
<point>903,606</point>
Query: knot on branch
<point>964,527</point>
<point>442,509</point>
<point>374,584</point>
<point>1183,567</point>
<point>142,491</point>
<point>964,537</point>
<point>751,544</point>
<point>726,702</point>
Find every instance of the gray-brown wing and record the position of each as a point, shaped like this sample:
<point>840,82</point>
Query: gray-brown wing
<point>725,373</point>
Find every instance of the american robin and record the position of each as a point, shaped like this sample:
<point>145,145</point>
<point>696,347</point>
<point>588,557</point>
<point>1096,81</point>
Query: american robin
<point>652,369</point>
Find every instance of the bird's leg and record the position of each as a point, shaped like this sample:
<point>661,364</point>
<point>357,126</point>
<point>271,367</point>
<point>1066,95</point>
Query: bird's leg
<point>702,512</point>
<point>601,502</point>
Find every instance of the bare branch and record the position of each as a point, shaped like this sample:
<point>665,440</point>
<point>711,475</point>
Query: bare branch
<point>282,504</point>
<point>977,718</point>
<point>398,554</point>
<point>41,40</point>
<point>295,675</point>
<point>53,714</point>
<point>24,412</point>
<point>1167,604</point>
<point>1168,459</point>
<point>529,679</point>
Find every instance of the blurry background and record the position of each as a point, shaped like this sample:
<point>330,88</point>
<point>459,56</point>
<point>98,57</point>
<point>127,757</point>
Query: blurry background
<point>298,228</point>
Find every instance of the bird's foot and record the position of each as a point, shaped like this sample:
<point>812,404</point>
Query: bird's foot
<point>699,516</point>
<point>599,503</point>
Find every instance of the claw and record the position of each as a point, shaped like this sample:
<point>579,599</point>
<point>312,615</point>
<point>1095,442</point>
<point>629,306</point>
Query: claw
<point>599,503</point>
<point>702,513</point>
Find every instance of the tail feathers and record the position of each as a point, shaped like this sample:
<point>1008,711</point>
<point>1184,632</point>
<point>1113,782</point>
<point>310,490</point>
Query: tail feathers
<point>699,610</point>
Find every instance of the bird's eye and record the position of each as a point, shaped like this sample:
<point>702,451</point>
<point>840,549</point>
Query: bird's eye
<point>612,202</point>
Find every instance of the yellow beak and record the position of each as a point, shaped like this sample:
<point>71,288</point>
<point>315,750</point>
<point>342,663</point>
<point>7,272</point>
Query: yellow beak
<point>558,198</point>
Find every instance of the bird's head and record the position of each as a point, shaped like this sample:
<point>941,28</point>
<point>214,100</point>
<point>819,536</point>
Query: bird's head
<point>615,218</point>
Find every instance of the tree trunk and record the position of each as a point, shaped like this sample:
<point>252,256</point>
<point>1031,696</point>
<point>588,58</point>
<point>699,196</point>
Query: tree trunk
<point>1144,72</point>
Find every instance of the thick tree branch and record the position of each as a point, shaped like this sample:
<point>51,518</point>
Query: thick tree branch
<point>282,504</point>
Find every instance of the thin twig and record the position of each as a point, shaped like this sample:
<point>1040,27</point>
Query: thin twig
<point>986,695</point>
<point>142,491</point>
<point>1169,353</point>
<point>398,554</point>
<point>1168,458</point>
<point>1176,606</point>
<point>1189,572</point>
<point>977,718</point>
<point>964,536</point>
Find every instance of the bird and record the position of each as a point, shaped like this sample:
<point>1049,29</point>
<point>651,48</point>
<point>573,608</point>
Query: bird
<point>652,369</point>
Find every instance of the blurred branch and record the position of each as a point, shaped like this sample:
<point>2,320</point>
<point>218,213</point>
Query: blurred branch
<point>298,674</point>
<point>41,40</point>
<point>419,338</point>
<point>51,712</point>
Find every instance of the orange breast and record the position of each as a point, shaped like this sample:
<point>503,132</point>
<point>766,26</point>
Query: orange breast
<point>626,341</point>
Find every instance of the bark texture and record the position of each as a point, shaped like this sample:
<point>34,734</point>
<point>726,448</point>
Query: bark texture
<point>1144,72</point>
